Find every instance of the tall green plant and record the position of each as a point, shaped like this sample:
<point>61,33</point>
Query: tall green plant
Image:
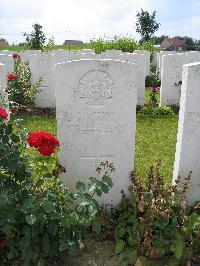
<point>146,24</point>
<point>36,39</point>
<point>19,87</point>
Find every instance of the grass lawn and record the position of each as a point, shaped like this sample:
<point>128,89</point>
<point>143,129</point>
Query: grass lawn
<point>38,123</point>
<point>155,139</point>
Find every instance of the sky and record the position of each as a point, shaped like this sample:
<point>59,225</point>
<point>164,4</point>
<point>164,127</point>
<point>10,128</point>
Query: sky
<point>88,19</point>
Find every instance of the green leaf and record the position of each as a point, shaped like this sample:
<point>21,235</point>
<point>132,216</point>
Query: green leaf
<point>52,229</point>
<point>72,247</point>
<point>80,186</point>
<point>131,241</point>
<point>48,175</point>
<point>46,244</point>
<point>41,262</point>
<point>30,219</point>
<point>119,246</point>
<point>99,192</point>
<point>63,244</point>
<point>104,187</point>
<point>96,226</point>
<point>92,187</point>
<point>40,182</point>
<point>121,231</point>
<point>48,206</point>
<point>131,254</point>
<point>177,248</point>
<point>107,180</point>
<point>2,147</point>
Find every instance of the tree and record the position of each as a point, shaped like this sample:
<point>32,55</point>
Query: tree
<point>146,24</point>
<point>36,38</point>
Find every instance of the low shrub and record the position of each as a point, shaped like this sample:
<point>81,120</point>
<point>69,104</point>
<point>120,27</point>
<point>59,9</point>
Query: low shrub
<point>175,108</point>
<point>155,222</point>
<point>125,44</point>
<point>152,81</point>
<point>154,94</point>
<point>39,217</point>
<point>156,111</point>
<point>20,90</point>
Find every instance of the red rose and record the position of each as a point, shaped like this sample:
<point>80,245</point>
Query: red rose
<point>44,142</point>
<point>3,243</point>
<point>16,56</point>
<point>46,149</point>
<point>11,76</point>
<point>3,113</point>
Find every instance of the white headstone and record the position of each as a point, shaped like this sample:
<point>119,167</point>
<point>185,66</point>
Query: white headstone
<point>7,67</point>
<point>113,54</point>
<point>8,61</point>
<point>2,80</point>
<point>154,59</point>
<point>85,51</point>
<point>188,139</point>
<point>192,57</point>
<point>6,52</point>
<point>147,60</point>
<point>160,55</point>
<point>171,78</point>
<point>83,55</point>
<point>96,119</point>
<point>41,66</point>
<point>140,61</point>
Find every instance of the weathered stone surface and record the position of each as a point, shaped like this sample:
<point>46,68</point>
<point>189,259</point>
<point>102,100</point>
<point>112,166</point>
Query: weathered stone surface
<point>2,80</point>
<point>188,138</point>
<point>140,59</point>
<point>192,57</point>
<point>6,67</point>
<point>25,55</point>
<point>155,59</point>
<point>113,54</point>
<point>147,60</point>
<point>96,117</point>
<point>8,61</point>
<point>171,78</point>
<point>41,66</point>
<point>160,55</point>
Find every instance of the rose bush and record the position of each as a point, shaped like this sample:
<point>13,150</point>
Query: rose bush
<point>20,90</point>
<point>39,218</point>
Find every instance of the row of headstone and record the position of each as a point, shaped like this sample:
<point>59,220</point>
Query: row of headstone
<point>6,66</point>
<point>42,65</point>
<point>188,138</point>
<point>2,80</point>
<point>96,117</point>
<point>171,76</point>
